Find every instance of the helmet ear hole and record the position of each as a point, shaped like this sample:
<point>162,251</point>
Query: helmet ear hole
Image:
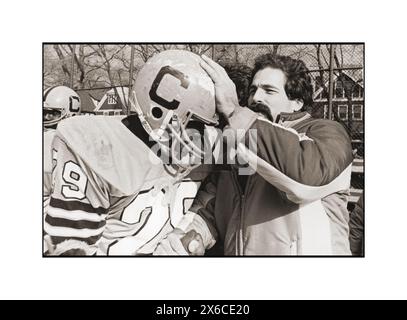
<point>157,112</point>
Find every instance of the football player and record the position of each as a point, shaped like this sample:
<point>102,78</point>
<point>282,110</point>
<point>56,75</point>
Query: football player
<point>117,187</point>
<point>59,102</point>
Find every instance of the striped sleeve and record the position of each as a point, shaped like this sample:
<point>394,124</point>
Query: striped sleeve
<point>75,217</point>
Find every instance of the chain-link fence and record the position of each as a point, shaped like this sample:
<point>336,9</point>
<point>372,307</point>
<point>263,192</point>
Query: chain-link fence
<point>338,79</point>
<point>102,75</point>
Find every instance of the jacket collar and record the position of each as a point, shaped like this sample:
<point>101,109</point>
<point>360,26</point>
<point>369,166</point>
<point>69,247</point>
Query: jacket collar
<point>290,119</point>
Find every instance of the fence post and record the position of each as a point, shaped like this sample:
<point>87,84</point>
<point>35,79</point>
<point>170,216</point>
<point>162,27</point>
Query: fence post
<point>72,67</point>
<point>130,77</point>
<point>331,83</point>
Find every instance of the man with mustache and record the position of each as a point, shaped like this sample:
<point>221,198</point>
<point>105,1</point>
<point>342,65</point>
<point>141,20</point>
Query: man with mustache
<point>295,203</point>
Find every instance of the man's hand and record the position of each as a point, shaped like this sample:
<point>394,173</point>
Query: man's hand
<point>179,243</point>
<point>225,89</point>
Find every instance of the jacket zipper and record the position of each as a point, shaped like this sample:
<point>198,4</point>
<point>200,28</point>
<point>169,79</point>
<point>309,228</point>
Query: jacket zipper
<point>240,249</point>
<point>242,203</point>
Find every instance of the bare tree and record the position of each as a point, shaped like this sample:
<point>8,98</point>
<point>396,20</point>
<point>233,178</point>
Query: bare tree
<point>108,54</point>
<point>63,60</point>
<point>144,51</point>
<point>52,71</point>
<point>84,68</point>
<point>322,64</point>
<point>273,49</point>
<point>199,48</point>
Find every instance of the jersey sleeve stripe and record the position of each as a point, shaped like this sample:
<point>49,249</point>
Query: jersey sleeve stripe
<point>90,240</point>
<point>76,205</point>
<point>77,224</point>
<point>70,232</point>
<point>74,215</point>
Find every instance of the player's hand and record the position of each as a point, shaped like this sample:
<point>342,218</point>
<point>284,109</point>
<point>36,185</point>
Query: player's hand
<point>48,246</point>
<point>225,90</point>
<point>179,243</point>
<point>193,243</point>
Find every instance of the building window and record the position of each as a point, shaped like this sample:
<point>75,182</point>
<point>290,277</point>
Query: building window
<point>357,112</point>
<point>111,99</point>
<point>357,91</point>
<point>339,92</point>
<point>343,112</point>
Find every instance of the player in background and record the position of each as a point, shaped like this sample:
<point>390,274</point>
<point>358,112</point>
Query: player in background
<point>59,102</point>
<point>116,181</point>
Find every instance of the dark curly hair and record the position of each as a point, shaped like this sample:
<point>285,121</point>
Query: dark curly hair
<point>240,74</point>
<point>298,85</point>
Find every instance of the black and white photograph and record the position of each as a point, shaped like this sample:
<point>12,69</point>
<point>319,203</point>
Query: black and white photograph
<point>213,149</point>
<point>205,158</point>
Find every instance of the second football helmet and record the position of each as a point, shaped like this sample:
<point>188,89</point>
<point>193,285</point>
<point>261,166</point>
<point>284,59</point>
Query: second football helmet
<point>58,103</point>
<point>173,93</point>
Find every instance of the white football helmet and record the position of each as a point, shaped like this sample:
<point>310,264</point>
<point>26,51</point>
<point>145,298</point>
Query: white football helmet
<point>172,94</point>
<point>58,103</point>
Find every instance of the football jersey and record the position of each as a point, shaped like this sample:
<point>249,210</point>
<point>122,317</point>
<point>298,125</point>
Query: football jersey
<point>111,194</point>
<point>48,163</point>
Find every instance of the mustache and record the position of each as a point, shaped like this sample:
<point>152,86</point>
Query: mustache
<point>263,109</point>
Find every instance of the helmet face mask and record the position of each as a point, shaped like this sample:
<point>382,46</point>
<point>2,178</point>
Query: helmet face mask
<point>58,103</point>
<point>181,146</point>
<point>52,116</point>
<point>174,97</point>
<point>186,149</point>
